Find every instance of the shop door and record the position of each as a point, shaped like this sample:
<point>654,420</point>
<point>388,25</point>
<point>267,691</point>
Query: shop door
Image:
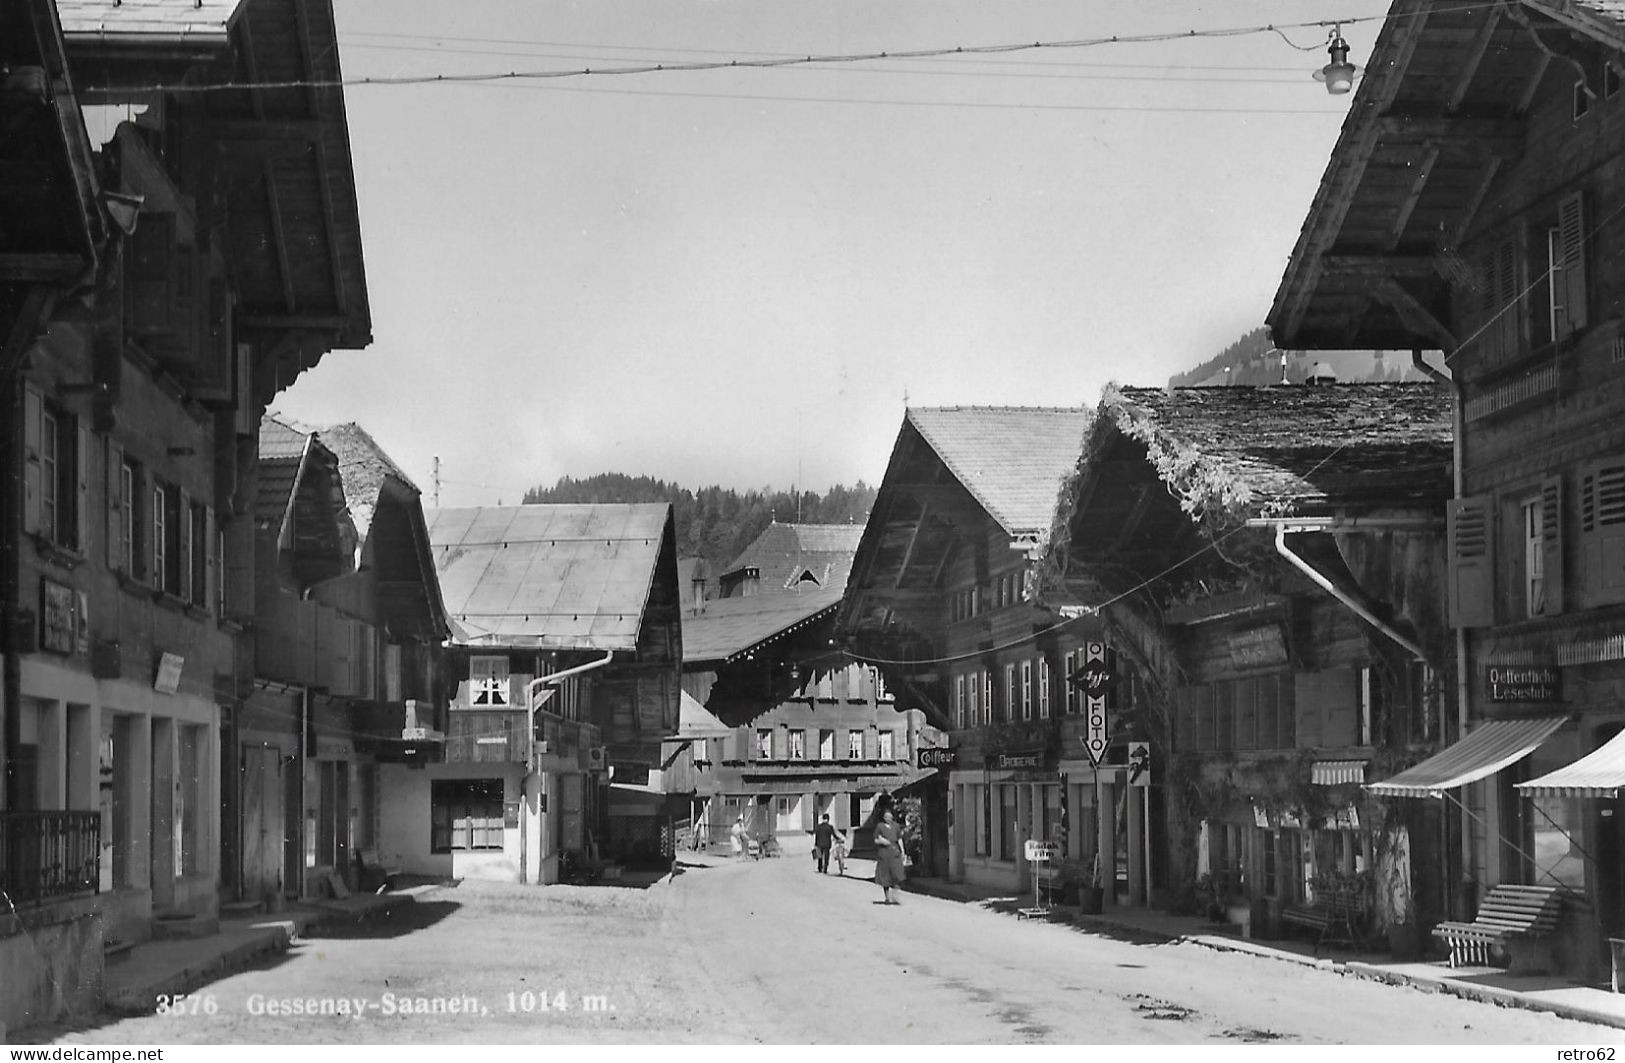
<point>262,821</point>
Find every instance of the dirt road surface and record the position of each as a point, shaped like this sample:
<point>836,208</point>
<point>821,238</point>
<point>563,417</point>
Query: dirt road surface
<point>770,952</point>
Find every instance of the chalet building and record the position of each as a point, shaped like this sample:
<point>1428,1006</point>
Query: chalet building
<point>1266,564</point>
<point>811,731</point>
<point>347,630</point>
<point>940,600</point>
<point>171,261</point>
<point>1497,245</point>
<point>563,664</point>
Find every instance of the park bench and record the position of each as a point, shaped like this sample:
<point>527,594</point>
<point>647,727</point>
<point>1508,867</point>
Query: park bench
<point>1330,918</point>
<point>1516,919</point>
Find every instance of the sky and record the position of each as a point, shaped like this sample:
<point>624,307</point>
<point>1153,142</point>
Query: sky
<point>741,277</point>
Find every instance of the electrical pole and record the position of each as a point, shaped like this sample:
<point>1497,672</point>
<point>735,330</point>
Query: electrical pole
<point>437,481</point>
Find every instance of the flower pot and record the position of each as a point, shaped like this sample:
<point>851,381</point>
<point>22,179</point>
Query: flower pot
<point>1091,900</point>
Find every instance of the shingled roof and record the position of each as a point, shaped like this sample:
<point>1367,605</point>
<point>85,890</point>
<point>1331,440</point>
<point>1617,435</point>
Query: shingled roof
<point>364,467</point>
<point>549,576</point>
<point>784,552</point>
<point>1012,459</point>
<point>281,450</point>
<point>1291,449</point>
<point>730,627</point>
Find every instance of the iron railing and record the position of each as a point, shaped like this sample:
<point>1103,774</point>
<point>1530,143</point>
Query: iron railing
<point>45,855</point>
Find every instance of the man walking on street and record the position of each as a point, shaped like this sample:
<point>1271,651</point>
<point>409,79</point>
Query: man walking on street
<point>823,837</point>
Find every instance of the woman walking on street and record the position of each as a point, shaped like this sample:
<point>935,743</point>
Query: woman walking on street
<point>889,871</point>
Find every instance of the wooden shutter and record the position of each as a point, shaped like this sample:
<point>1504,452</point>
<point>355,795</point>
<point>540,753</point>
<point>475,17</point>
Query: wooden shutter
<point>1472,561</point>
<point>33,413</point>
<point>1551,532</point>
<point>1570,271</point>
<point>81,486</point>
<point>1602,531</point>
<point>211,561</point>
<point>115,505</point>
<point>149,295</point>
<point>183,545</point>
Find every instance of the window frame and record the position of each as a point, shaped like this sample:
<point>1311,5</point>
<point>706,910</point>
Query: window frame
<point>490,678</point>
<point>449,796</point>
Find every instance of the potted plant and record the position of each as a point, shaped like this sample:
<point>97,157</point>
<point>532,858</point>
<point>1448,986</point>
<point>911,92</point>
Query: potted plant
<point>1091,892</point>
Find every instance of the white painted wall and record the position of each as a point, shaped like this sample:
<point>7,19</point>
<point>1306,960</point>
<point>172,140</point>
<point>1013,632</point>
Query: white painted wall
<point>403,822</point>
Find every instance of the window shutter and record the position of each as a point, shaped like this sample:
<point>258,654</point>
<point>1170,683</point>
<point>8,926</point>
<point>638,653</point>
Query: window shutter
<point>115,505</point>
<point>81,485</point>
<point>1472,562</point>
<point>149,293</point>
<point>1602,531</point>
<point>157,526</point>
<point>1571,239</point>
<point>33,412</point>
<point>1551,532</point>
<point>211,562</point>
<point>183,545</point>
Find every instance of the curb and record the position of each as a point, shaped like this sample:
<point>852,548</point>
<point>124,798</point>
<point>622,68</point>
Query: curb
<point>1504,998</point>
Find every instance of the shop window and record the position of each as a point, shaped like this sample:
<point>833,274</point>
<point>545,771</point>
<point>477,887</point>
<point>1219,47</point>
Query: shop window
<point>189,801</point>
<point>488,682</point>
<point>984,816</point>
<point>1009,830</point>
<point>465,815</point>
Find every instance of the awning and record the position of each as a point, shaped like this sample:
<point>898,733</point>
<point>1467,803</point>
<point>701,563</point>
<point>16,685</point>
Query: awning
<point>1486,751</point>
<point>1337,772</point>
<point>1600,773</point>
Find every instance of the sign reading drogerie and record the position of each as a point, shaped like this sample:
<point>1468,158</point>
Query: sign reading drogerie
<point>1526,683</point>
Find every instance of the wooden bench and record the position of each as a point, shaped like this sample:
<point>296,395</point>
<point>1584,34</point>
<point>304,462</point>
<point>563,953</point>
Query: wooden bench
<point>1514,918</point>
<point>1330,918</point>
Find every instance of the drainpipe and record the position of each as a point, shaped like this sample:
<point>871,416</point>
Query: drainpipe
<point>1457,481</point>
<point>1320,580</point>
<point>530,746</point>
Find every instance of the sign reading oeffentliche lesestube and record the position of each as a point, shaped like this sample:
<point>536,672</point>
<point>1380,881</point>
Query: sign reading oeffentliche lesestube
<point>1526,683</point>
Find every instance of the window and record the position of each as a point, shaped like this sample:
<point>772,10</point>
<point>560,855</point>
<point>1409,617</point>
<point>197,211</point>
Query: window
<point>1010,694</point>
<point>488,682</point>
<point>826,745</point>
<point>465,815</point>
<point>55,451</point>
<point>1008,829</point>
<point>983,801</point>
<point>854,745</point>
<point>171,540</point>
<point>1043,688</point>
<point>160,536</point>
<point>1534,558</point>
<point>764,744</point>
<point>785,805</point>
<point>1074,695</point>
<point>702,751</point>
<point>798,744</point>
<point>975,679</point>
<point>959,701</point>
<point>885,745</point>
<point>202,558</point>
<point>1026,690</point>
<point>130,518</point>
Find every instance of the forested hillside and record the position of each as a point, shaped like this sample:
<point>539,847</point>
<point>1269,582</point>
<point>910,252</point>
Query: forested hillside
<point>716,523</point>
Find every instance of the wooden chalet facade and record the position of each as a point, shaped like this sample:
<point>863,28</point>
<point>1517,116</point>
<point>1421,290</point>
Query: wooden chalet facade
<point>1266,567</point>
<point>1471,205</point>
<point>940,601</point>
<point>808,732</point>
<point>564,670</point>
<point>171,261</point>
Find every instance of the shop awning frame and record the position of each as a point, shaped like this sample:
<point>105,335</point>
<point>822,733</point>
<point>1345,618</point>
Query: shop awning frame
<point>1598,774</point>
<point>1495,745</point>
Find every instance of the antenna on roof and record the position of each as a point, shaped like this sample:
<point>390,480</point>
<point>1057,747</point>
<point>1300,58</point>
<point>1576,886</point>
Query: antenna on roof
<point>437,481</point>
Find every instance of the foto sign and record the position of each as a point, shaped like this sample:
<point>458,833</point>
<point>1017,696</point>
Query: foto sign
<point>1037,850</point>
<point>1096,677</point>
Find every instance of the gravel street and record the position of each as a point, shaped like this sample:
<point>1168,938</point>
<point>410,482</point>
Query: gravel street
<point>770,951</point>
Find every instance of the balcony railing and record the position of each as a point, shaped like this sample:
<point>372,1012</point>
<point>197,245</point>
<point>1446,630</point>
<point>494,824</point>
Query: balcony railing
<point>45,855</point>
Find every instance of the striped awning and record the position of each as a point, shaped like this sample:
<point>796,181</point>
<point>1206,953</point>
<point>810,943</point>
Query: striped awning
<point>1481,754</point>
<point>1600,773</point>
<point>1337,772</point>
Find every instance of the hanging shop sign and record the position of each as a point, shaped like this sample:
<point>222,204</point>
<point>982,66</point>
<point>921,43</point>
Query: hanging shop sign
<point>59,624</point>
<point>169,673</point>
<point>1538,683</point>
<point>1139,763</point>
<point>1096,679</point>
<point>936,758</point>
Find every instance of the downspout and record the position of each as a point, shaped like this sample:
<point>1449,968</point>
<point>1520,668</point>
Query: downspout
<point>1341,595</point>
<point>530,748</point>
<point>1458,482</point>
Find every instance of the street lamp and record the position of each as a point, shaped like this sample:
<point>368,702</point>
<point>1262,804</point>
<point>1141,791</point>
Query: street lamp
<point>1339,73</point>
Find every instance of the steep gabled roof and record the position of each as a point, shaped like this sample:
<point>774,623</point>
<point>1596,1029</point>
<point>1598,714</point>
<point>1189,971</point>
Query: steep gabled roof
<point>1010,458</point>
<point>549,576</point>
<point>730,627</point>
<point>783,552</point>
<point>364,467</point>
<point>282,452</point>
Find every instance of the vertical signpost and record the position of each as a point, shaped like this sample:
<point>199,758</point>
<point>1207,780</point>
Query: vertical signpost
<point>1039,854</point>
<point>1095,680</point>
